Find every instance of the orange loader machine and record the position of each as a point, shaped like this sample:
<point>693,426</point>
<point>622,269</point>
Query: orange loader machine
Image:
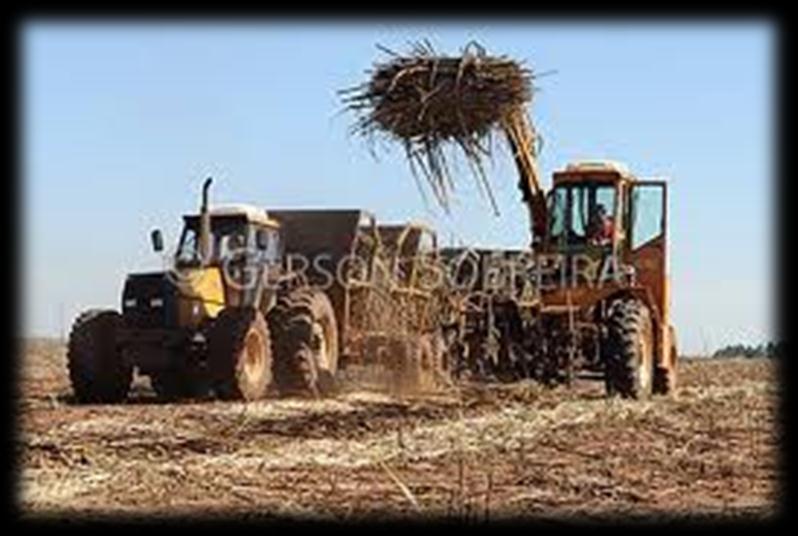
<point>592,295</point>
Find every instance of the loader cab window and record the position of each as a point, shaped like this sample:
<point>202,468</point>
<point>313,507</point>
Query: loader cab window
<point>558,213</point>
<point>582,214</point>
<point>647,213</point>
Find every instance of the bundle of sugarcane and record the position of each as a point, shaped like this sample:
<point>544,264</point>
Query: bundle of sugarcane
<point>433,104</point>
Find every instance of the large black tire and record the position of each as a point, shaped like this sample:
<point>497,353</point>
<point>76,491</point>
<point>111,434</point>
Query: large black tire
<point>665,377</point>
<point>97,369</point>
<point>240,354</point>
<point>306,343</point>
<point>629,350</point>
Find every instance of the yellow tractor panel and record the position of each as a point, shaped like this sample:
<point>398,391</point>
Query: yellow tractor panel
<point>201,296</point>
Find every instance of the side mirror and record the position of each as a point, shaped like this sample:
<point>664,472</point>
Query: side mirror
<point>157,240</point>
<point>262,238</point>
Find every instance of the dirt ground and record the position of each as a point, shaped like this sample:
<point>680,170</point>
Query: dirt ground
<point>477,452</point>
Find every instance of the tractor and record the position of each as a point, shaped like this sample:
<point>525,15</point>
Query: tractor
<point>202,325</point>
<point>246,306</point>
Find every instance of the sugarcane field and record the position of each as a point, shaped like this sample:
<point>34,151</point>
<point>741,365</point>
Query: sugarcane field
<point>397,273</point>
<point>485,452</point>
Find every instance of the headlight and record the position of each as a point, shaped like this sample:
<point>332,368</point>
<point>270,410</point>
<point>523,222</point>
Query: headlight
<point>130,302</point>
<point>156,302</point>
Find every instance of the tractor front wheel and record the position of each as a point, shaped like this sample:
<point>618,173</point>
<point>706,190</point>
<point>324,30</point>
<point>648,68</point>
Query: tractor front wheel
<point>629,350</point>
<point>240,354</point>
<point>97,369</point>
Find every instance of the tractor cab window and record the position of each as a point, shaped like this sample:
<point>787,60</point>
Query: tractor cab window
<point>582,214</point>
<point>267,244</point>
<point>227,238</point>
<point>188,250</point>
<point>229,243</point>
<point>247,243</point>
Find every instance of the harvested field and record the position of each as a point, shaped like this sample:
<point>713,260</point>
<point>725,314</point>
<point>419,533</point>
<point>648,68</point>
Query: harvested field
<point>485,452</point>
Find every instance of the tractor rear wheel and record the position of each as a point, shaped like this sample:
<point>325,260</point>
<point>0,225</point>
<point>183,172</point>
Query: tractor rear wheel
<point>240,354</point>
<point>629,350</point>
<point>97,369</point>
<point>306,343</point>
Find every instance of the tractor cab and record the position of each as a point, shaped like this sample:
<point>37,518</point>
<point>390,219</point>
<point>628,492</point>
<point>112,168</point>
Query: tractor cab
<point>243,250</point>
<point>235,229</point>
<point>244,242</point>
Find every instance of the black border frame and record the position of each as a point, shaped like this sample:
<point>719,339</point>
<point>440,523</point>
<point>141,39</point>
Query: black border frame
<point>14,226</point>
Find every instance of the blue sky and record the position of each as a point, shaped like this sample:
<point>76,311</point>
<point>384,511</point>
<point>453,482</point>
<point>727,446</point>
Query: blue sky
<point>122,122</point>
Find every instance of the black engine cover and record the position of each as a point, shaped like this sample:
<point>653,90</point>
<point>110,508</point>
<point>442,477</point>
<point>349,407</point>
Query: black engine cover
<point>149,301</point>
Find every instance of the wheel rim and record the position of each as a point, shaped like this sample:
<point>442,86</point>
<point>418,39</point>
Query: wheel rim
<point>253,355</point>
<point>321,348</point>
<point>645,365</point>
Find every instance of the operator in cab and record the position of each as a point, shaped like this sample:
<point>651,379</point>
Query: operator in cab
<point>601,227</point>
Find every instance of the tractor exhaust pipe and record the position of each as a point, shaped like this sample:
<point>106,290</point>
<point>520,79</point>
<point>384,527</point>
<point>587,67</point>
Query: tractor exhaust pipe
<point>205,225</point>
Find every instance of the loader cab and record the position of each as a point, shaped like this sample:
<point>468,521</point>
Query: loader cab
<point>636,213</point>
<point>583,215</point>
<point>601,207</point>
